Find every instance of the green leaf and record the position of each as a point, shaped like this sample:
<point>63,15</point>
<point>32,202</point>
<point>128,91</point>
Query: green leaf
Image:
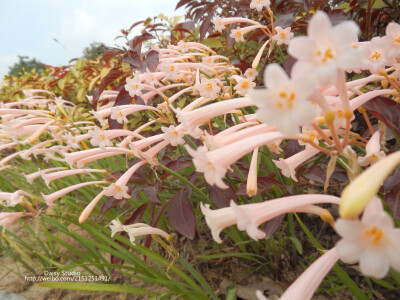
<point>297,244</point>
<point>213,42</point>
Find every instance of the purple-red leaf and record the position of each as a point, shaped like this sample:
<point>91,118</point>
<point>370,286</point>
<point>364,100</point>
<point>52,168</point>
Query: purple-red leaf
<point>152,60</point>
<point>110,54</point>
<point>292,147</point>
<point>137,215</point>
<point>386,110</point>
<point>271,226</point>
<point>222,197</point>
<point>181,215</point>
<point>285,20</point>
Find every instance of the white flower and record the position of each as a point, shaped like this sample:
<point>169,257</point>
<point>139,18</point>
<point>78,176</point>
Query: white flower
<point>326,48</point>
<point>208,60</point>
<point>209,88</point>
<point>237,34</point>
<point>250,74</point>
<point>284,103</point>
<point>259,4</point>
<point>373,149</point>
<point>119,115</point>
<point>218,25</point>
<point>99,137</point>
<point>134,86</point>
<point>116,191</point>
<point>282,36</point>
<point>173,135</point>
<point>170,70</point>
<point>212,172</point>
<point>139,229</point>
<point>243,85</point>
<point>393,36</point>
<point>373,242</point>
<point>71,140</point>
<point>182,46</point>
<point>116,226</point>
<point>376,55</point>
<point>151,79</point>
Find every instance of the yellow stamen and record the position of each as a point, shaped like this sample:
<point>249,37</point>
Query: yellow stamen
<point>376,233</point>
<point>376,55</point>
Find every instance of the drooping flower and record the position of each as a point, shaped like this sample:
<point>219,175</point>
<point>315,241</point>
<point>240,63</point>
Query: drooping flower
<point>7,218</point>
<point>250,74</point>
<point>373,149</point>
<point>373,241</point>
<point>209,88</point>
<point>173,135</point>
<point>119,115</point>
<point>134,86</point>
<point>116,191</point>
<point>282,36</point>
<point>284,103</point>
<point>99,137</point>
<point>326,48</point>
<point>243,85</point>
<point>259,4</point>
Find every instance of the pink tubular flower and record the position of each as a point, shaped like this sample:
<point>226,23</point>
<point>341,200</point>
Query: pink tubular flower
<point>99,137</point>
<point>326,48</point>
<point>137,229</point>
<point>282,36</point>
<point>284,102</point>
<point>243,85</point>
<point>209,88</point>
<point>250,216</point>
<point>116,191</point>
<point>220,23</point>
<point>31,177</point>
<point>373,149</point>
<point>288,166</point>
<point>373,241</point>
<point>49,177</point>
<point>173,135</point>
<point>56,195</point>
<point>238,33</point>
<point>134,86</point>
<point>192,119</point>
<point>12,199</point>
<point>304,286</point>
<point>7,218</point>
<point>259,4</point>
<point>376,53</point>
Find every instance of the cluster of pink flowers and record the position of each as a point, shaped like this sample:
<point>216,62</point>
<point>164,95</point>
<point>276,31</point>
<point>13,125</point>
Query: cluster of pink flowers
<point>314,105</point>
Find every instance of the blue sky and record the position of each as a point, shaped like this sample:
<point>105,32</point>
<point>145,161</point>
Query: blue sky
<point>29,27</point>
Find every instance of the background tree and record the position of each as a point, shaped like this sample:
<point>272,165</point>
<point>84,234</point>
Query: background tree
<point>25,65</point>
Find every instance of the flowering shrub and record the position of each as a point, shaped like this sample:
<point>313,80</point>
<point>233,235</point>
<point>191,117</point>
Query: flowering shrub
<point>183,128</point>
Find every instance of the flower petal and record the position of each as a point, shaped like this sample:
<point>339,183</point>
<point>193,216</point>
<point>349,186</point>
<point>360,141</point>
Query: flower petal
<point>374,263</point>
<point>302,48</point>
<point>349,251</point>
<point>275,77</point>
<point>319,28</point>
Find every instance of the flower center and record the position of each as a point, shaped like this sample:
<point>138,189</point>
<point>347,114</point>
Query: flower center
<point>209,86</point>
<point>376,56</point>
<point>120,113</point>
<point>172,68</point>
<point>286,98</point>
<point>238,33</point>
<point>397,40</point>
<point>117,188</point>
<point>73,140</point>
<point>245,84</point>
<point>374,233</point>
<point>102,136</point>
<point>136,86</point>
<point>282,35</point>
<point>175,133</point>
<point>328,55</point>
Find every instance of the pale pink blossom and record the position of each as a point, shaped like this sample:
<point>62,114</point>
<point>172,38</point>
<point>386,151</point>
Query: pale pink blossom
<point>12,199</point>
<point>134,86</point>
<point>58,194</point>
<point>393,37</point>
<point>243,85</point>
<point>116,191</point>
<point>251,74</point>
<point>283,36</point>
<point>135,230</point>
<point>373,149</point>
<point>209,88</point>
<point>288,165</point>
<point>238,33</point>
<point>119,115</point>
<point>100,137</point>
<point>259,4</point>
<point>49,177</point>
<point>376,54</point>
<point>250,216</point>
<point>284,102</point>
<point>326,48</point>
<point>173,135</point>
<point>374,242</point>
<point>7,218</point>
<point>170,69</point>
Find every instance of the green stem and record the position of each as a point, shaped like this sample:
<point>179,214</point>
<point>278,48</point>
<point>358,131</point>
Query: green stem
<point>184,180</point>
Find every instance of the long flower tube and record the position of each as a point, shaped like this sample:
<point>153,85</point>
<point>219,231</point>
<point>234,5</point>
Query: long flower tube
<point>31,177</point>
<point>56,195</point>
<point>49,177</point>
<point>250,216</point>
<point>360,191</point>
<point>305,286</point>
<point>84,161</point>
<point>7,218</point>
